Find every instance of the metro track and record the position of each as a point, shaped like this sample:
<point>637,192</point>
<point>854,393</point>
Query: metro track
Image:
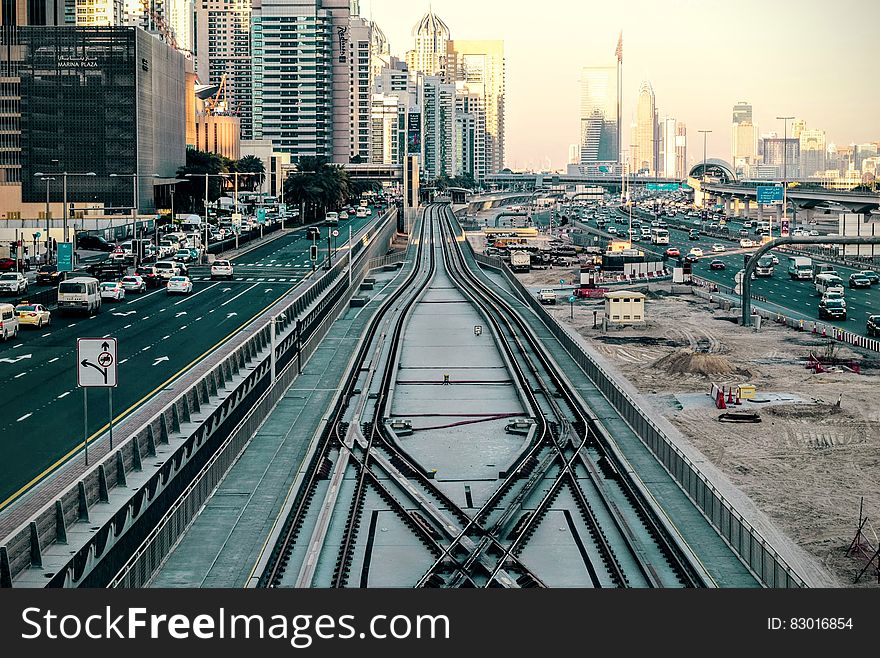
<point>358,470</point>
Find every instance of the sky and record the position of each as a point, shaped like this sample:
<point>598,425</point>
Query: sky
<point>813,59</point>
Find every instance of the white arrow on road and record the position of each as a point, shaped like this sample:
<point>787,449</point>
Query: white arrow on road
<point>226,289</point>
<point>125,314</point>
<point>160,360</point>
<point>16,359</point>
<point>229,315</point>
<point>179,314</point>
<point>268,290</point>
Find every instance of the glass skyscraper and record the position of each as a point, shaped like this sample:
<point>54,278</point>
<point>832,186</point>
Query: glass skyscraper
<point>600,123</point>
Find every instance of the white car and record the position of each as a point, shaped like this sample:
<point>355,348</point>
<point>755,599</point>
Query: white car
<point>746,243</point>
<point>13,282</point>
<point>167,269</point>
<point>814,232</point>
<point>696,251</point>
<point>179,285</point>
<point>718,248</point>
<point>112,290</point>
<point>133,283</point>
<point>221,269</point>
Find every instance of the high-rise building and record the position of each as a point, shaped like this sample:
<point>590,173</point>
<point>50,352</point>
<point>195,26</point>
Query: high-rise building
<point>742,111</point>
<point>647,138</point>
<point>169,20</point>
<point>668,133</point>
<point>480,65</point>
<point>797,127</point>
<point>38,12</point>
<point>360,52</point>
<point>574,154</point>
<point>600,123</point>
<point>861,152</point>
<point>223,54</point>
<point>96,13</point>
<point>438,127</point>
<point>784,154</point>
<point>681,168</point>
<point>471,133</point>
<point>812,151</point>
<point>431,36</point>
<point>744,143</point>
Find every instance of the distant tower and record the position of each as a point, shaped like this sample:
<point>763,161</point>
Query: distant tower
<point>646,130</point>
<point>429,54</point>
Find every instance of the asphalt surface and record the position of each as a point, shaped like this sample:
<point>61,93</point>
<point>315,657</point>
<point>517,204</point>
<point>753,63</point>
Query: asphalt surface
<point>797,299</point>
<point>159,336</point>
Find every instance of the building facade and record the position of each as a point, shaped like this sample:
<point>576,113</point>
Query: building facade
<point>667,142</point>
<point>431,37</point>
<point>169,20</point>
<point>742,111</point>
<point>646,134</point>
<point>58,80</point>
<point>812,152</point>
<point>681,161</point>
<point>784,154</point>
<point>96,13</point>
<point>600,123</point>
<point>438,127</point>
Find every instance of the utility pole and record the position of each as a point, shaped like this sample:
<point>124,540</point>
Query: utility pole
<point>785,121</point>
<point>705,135</point>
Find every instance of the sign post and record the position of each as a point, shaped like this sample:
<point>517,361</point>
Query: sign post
<point>64,257</point>
<point>571,306</point>
<point>95,368</point>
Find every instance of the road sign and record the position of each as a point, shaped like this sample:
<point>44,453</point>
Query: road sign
<point>783,229</point>
<point>261,215</point>
<point>236,219</point>
<point>737,289</point>
<point>65,257</point>
<point>335,233</point>
<point>662,187</point>
<point>572,299</point>
<point>96,362</point>
<point>769,194</point>
<point>739,277</point>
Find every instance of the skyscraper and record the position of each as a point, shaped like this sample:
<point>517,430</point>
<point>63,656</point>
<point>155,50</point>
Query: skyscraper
<point>429,54</point>
<point>812,147</point>
<point>438,127</point>
<point>681,168</point>
<point>600,122</point>
<point>742,111</point>
<point>646,146</point>
<point>480,65</point>
<point>170,20</point>
<point>667,141</point>
<point>94,13</point>
<point>744,143</point>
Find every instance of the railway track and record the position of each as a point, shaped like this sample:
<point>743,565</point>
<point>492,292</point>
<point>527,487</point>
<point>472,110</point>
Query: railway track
<point>366,506</point>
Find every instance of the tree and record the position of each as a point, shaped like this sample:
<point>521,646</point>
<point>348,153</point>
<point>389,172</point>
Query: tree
<point>317,186</point>
<point>190,196</point>
<point>250,164</point>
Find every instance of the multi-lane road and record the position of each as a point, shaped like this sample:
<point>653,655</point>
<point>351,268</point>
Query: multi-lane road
<point>159,337</point>
<point>796,299</point>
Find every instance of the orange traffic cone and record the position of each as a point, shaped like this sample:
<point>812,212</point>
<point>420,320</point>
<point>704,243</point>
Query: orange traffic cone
<point>730,396</point>
<point>720,401</point>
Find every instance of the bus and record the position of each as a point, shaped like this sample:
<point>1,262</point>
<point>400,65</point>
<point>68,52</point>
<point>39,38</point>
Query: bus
<point>659,236</point>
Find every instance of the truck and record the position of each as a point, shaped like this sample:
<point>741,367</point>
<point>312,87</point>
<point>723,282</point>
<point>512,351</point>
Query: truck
<point>800,267</point>
<point>764,266</point>
<point>547,296</point>
<point>520,261</point>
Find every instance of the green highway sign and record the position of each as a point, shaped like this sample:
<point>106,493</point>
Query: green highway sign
<point>65,257</point>
<point>769,194</point>
<point>662,187</point>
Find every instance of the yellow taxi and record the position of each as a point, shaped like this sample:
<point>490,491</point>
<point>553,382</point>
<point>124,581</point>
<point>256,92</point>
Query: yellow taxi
<point>35,315</point>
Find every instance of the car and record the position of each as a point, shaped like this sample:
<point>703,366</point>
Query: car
<point>6,264</point>
<point>48,275</point>
<point>547,296</point>
<point>93,243</point>
<point>717,265</point>
<point>183,255</point>
<point>746,243</point>
<point>856,280</point>
<point>697,222</point>
<point>814,232</point>
<point>872,327</point>
<point>612,230</point>
<point>150,276</point>
<point>873,277</point>
<point>696,251</point>
<point>179,285</point>
<point>775,259</point>
<point>833,309</point>
<point>112,290</point>
<point>133,283</point>
<point>13,283</point>
<point>673,252</point>
<point>748,224</point>
<point>221,269</point>
<point>343,216</point>
<point>718,248</point>
<point>694,235</point>
<point>34,315</point>
<point>691,258</point>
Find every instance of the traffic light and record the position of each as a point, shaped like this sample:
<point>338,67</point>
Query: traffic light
<point>313,252</point>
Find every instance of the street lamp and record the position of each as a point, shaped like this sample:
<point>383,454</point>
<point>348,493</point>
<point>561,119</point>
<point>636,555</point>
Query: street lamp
<point>64,175</point>
<point>785,121</point>
<point>48,243</point>
<point>705,136</point>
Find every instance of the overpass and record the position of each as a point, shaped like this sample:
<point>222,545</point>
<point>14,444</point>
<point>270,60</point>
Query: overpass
<point>531,181</point>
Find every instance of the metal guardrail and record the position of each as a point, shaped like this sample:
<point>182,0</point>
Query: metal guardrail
<point>23,548</point>
<point>756,553</point>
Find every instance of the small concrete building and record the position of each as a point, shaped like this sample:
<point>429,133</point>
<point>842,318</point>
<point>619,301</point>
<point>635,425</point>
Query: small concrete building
<point>624,307</point>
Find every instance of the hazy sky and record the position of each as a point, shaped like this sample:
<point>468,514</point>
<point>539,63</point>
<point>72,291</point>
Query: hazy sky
<point>814,59</point>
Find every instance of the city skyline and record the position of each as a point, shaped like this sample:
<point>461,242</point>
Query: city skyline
<point>814,86</point>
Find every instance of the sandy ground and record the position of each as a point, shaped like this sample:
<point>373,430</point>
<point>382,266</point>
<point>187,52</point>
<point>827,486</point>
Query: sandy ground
<point>808,463</point>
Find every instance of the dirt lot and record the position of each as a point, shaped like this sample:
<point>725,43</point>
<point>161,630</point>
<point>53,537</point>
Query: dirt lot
<point>807,464</point>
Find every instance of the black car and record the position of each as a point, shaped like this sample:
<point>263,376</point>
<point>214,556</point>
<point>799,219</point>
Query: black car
<point>690,258</point>
<point>717,265</point>
<point>872,328</point>
<point>873,277</point>
<point>93,243</point>
<point>859,280</point>
<point>833,309</point>
<point>48,275</point>
<point>150,276</point>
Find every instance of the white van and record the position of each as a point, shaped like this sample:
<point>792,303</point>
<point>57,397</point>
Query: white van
<point>361,211</point>
<point>828,283</point>
<point>8,321</point>
<point>79,294</point>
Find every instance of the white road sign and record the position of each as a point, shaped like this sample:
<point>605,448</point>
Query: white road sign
<point>96,362</point>
<point>335,233</point>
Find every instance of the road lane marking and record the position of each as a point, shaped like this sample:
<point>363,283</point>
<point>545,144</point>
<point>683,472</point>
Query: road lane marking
<point>25,417</point>
<point>238,295</point>
<point>166,337</point>
<point>123,361</point>
<point>191,295</point>
<point>146,348</point>
<point>63,395</point>
<point>128,326</point>
<point>21,374</point>
<point>54,360</point>
<point>44,335</point>
<point>144,296</point>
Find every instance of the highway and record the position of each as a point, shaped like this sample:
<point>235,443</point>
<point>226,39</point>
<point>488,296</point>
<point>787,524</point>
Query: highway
<point>159,337</point>
<point>797,299</point>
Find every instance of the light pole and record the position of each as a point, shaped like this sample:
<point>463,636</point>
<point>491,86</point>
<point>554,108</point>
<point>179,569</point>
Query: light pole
<point>207,176</point>
<point>705,136</point>
<point>785,121</point>
<point>48,243</point>
<point>64,176</point>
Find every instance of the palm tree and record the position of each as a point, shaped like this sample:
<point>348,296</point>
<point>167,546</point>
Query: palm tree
<point>251,164</point>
